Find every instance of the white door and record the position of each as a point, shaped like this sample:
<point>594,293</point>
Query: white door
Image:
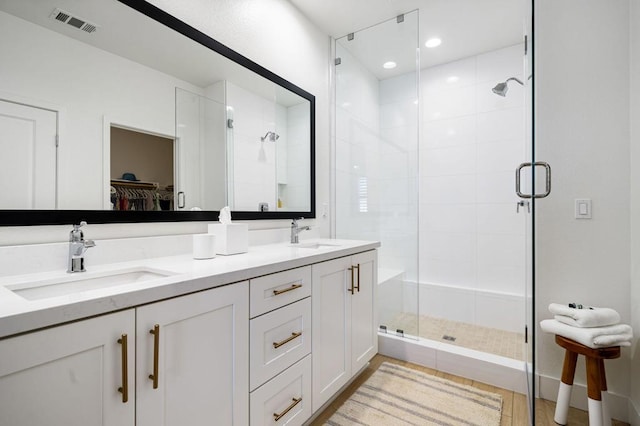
<point>198,375</point>
<point>28,138</point>
<point>69,375</point>
<point>331,328</point>
<point>364,333</point>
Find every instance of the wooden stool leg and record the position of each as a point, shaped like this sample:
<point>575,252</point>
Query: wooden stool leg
<point>594,384</point>
<point>606,415</point>
<point>566,384</point>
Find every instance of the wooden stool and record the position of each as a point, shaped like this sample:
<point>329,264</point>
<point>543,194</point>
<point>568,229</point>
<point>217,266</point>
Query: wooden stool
<point>596,380</point>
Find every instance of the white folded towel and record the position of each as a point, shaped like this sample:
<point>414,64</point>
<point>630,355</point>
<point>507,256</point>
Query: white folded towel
<point>586,317</point>
<point>593,337</point>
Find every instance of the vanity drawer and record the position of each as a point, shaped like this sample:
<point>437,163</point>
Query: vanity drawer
<point>288,395</point>
<point>278,339</point>
<point>273,291</point>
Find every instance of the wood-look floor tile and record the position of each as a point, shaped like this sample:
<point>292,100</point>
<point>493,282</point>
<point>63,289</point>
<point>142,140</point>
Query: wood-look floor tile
<point>515,410</point>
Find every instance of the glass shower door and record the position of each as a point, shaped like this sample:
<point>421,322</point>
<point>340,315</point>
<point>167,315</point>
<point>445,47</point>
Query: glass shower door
<point>375,158</point>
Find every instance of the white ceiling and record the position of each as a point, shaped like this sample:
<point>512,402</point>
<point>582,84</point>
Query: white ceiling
<point>466,27</point>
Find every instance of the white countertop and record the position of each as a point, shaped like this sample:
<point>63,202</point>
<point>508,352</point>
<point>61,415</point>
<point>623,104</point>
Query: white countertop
<point>18,315</point>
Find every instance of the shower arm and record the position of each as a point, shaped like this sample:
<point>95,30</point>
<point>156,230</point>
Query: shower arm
<point>514,79</point>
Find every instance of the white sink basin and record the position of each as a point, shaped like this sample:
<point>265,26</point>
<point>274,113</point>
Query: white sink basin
<point>84,281</point>
<point>314,245</point>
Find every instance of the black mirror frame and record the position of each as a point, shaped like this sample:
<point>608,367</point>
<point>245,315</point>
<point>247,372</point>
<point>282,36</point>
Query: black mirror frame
<point>63,217</point>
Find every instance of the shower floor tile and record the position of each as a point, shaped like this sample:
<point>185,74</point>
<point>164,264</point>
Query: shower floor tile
<point>491,340</point>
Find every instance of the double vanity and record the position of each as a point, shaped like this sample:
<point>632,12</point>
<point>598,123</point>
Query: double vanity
<point>264,337</point>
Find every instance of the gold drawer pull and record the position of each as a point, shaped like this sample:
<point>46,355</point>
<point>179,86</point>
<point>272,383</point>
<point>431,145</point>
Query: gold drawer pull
<point>124,390</point>
<point>352,289</point>
<point>293,287</point>
<point>156,352</point>
<point>295,402</point>
<point>276,345</point>
<point>358,286</point>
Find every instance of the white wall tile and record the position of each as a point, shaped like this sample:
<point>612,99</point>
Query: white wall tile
<point>448,161</point>
<point>448,218</point>
<point>451,132</point>
<point>449,303</point>
<point>498,65</point>
<point>501,219</point>
<point>447,273</point>
<point>448,189</point>
<point>505,155</point>
<point>454,74</point>
<point>501,125</point>
<point>449,103</point>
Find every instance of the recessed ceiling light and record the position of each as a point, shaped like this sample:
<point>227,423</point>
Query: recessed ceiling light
<point>433,42</point>
<point>453,79</point>
<point>389,65</point>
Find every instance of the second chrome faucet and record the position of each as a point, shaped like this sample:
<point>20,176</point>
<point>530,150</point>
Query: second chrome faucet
<point>295,230</point>
<point>77,247</point>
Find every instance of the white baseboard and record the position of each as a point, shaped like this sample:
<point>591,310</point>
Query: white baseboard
<point>634,414</point>
<point>620,406</point>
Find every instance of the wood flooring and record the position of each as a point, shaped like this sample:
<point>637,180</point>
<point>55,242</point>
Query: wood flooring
<point>514,405</point>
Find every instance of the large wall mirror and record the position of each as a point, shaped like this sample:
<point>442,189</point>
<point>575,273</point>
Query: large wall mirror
<point>115,111</point>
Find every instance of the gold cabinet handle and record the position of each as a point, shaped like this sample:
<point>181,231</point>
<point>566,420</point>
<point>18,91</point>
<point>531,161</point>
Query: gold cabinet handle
<point>293,287</point>
<point>295,402</point>
<point>352,289</point>
<point>276,345</point>
<point>124,389</point>
<point>156,352</point>
<point>358,276</point>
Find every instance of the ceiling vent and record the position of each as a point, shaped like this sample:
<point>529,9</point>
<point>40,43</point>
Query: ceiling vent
<point>75,21</point>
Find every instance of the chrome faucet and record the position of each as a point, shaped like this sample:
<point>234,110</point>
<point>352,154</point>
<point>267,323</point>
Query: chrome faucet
<point>77,247</point>
<point>295,230</point>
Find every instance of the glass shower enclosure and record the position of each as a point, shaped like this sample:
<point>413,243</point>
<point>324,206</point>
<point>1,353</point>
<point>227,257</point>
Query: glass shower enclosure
<point>423,161</point>
<point>376,157</point>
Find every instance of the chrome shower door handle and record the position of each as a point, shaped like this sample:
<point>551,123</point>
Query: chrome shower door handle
<point>547,186</point>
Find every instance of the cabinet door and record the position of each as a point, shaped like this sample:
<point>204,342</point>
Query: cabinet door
<point>69,375</point>
<point>202,360</point>
<point>364,336</point>
<point>331,328</point>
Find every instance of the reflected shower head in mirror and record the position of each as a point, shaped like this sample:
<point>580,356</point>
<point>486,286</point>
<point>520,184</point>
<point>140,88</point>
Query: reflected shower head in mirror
<point>272,136</point>
<point>501,88</point>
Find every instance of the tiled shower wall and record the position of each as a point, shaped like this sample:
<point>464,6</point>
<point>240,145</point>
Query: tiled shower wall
<point>472,240</point>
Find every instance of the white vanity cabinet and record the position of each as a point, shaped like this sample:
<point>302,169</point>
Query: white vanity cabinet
<point>344,321</point>
<point>280,342</point>
<point>70,375</point>
<point>191,359</point>
<point>191,370</point>
<point>270,349</point>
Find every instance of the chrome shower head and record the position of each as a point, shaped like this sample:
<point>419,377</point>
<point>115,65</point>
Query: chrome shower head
<point>500,89</point>
<point>272,136</point>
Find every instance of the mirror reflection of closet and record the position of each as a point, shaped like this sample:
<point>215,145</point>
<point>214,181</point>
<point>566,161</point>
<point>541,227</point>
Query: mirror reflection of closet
<point>142,171</point>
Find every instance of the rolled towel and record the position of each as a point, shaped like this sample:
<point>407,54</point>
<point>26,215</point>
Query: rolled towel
<point>593,337</point>
<point>586,317</point>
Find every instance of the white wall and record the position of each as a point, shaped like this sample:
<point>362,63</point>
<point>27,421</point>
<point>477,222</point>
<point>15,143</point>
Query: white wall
<point>294,48</point>
<point>634,18</point>
<point>582,130</point>
<point>101,84</point>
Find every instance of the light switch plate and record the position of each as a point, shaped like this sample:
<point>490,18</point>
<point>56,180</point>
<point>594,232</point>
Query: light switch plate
<point>583,208</point>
